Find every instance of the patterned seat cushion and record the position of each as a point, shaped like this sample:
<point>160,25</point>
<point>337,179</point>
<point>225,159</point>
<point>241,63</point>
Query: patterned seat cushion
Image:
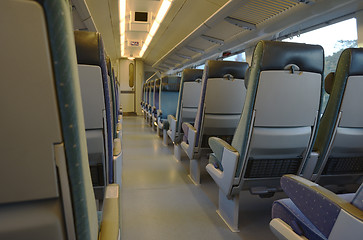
<point>287,211</point>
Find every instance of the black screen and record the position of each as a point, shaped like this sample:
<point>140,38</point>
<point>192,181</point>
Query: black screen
<point>141,16</point>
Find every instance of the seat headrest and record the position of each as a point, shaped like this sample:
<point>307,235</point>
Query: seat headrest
<point>278,55</point>
<point>329,82</point>
<point>190,75</point>
<point>219,69</point>
<point>89,47</point>
<point>355,56</point>
<point>170,83</point>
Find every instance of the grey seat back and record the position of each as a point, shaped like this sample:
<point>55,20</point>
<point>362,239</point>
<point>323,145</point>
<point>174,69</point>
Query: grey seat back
<point>151,94</point>
<point>278,123</point>
<point>97,105</point>
<point>143,95</point>
<point>221,100</point>
<point>340,135</point>
<point>156,96</point>
<point>169,92</point>
<point>50,195</point>
<point>147,94</point>
<point>113,99</point>
<point>189,95</point>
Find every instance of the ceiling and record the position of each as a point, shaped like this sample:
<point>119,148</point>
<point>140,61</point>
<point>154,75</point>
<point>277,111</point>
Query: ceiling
<point>105,17</point>
<point>195,30</point>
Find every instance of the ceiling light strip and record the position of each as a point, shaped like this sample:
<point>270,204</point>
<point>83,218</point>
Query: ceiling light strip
<point>122,8</point>
<point>159,18</point>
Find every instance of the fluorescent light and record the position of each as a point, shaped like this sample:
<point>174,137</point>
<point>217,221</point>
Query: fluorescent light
<point>131,58</point>
<point>148,40</point>
<point>163,10</point>
<point>165,5</point>
<point>153,29</point>
<point>122,8</point>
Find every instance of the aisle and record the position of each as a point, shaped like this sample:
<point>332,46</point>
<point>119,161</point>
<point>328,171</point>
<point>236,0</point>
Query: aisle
<point>158,199</point>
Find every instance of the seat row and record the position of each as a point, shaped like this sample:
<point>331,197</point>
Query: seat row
<point>46,190</point>
<point>160,98</point>
<point>101,109</point>
<point>266,121</point>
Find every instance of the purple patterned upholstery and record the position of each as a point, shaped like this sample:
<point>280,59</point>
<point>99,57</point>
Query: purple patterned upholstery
<point>322,213</point>
<point>311,210</point>
<point>287,211</point>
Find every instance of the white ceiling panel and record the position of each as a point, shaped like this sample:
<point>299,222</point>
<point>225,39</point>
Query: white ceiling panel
<point>224,30</point>
<point>183,17</point>
<point>105,15</point>
<point>257,11</point>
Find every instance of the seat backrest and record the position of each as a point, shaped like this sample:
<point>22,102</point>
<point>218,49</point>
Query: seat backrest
<point>339,141</point>
<point>156,94</point>
<point>147,93</point>
<point>151,93</point>
<point>189,95</point>
<point>280,115</point>
<point>112,88</point>
<point>221,100</point>
<point>46,190</point>
<point>90,55</point>
<point>117,94</point>
<point>143,94</point>
<point>169,92</point>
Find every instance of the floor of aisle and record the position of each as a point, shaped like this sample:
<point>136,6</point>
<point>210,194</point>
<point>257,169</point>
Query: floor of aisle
<point>159,201</point>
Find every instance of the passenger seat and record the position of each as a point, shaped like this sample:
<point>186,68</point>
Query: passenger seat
<point>188,99</point>
<point>46,189</point>
<point>277,127</point>
<point>219,110</point>
<point>339,142</point>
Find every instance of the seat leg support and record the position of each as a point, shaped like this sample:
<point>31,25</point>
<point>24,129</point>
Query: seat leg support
<point>158,131</point>
<point>195,171</point>
<point>177,152</point>
<point>228,210</point>
<point>165,137</point>
<point>118,169</point>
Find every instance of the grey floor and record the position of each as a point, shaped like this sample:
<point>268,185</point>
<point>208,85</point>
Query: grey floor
<point>160,202</point>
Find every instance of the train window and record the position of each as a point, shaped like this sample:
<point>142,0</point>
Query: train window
<point>334,39</point>
<point>240,57</point>
<point>200,67</point>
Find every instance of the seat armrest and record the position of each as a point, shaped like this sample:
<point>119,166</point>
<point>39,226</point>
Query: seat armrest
<point>305,194</point>
<point>283,231</point>
<point>172,126</point>
<point>110,225</point>
<point>192,132</point>
<point>224,179</point>
<point>217,145</point>
<point>119,126</point>
<point>116,146</point>
<point>171,119</point>
<point>159,113</point>
<point>309,167</point>
<point>154,112</point>
<point>191,135</point>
